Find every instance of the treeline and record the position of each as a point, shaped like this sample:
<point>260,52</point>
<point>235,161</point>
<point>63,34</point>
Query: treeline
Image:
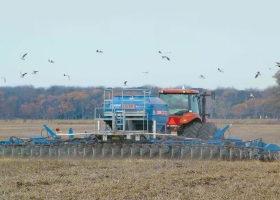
<point>60,102</point>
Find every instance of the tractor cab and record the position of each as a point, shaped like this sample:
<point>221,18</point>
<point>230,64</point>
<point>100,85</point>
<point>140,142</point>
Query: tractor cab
<point>187,116</point>
<point>183,106</point>
<point>180,101</point>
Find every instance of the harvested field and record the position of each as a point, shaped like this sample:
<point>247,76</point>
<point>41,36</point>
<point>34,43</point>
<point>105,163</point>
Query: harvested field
<point>29,128</point>
<point>139,178</point>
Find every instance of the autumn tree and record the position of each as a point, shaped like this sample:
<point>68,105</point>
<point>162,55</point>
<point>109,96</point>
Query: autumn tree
<point>239,110</point>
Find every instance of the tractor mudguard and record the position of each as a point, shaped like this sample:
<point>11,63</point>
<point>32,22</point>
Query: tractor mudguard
<point>188,117</point>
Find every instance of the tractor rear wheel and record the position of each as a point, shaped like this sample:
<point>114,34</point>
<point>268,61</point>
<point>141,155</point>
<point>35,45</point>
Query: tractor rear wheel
<point>207,131</point>
<point>191,129</point>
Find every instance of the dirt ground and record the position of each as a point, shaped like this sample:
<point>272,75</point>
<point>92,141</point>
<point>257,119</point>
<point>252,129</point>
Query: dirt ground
<point>139,178</point>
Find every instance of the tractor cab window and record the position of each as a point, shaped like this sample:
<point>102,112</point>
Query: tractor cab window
<point>179,104</point>
<point>194,103</point>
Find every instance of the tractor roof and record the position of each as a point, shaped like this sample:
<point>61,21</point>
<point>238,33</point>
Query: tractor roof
<point>178,91</point>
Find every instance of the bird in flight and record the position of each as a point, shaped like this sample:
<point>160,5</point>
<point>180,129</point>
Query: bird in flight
<point>165,53</point>
<point>269,68</point>
<point>220,70</point>
<point>124,83</point>
<point>277,64</point>
<point>251,95</point>
<point>35,72</point>
<point>145,72</point>
<point>201,76</point>
<point>22,57</point>
<point>22,74</point>
<point>51,61</point>
<point>67,76</point>
<point>165,57</point>
<point>258,74</point>
<point>4,79</point>
<point>99,51</point>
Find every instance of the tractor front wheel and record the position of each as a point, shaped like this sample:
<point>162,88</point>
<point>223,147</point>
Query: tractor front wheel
<point>207,131</point>
<point>191,129</point>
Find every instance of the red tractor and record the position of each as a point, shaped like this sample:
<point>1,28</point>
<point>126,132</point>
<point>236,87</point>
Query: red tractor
<point>187,114</point>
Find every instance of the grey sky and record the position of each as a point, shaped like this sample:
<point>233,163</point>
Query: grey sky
<point>240,37</point>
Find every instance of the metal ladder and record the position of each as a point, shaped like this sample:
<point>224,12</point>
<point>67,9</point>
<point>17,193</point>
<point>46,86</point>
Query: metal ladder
<point>120,118</point>
<point>144,113</point>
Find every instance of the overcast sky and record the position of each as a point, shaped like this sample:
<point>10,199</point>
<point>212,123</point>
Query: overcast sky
<point>240,37</point>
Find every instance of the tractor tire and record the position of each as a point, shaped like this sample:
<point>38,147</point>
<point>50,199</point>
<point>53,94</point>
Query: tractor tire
<point>191,129</point>
<point>207,131</point>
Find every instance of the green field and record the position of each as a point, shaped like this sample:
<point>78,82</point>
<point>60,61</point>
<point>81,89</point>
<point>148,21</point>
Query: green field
<point>139,178</point>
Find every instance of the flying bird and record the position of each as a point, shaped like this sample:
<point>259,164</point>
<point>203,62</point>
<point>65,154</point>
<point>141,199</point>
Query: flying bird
<point>220,70</point>
<point>4,79</point>
<point>277,64</point>
<point>251,95</point>
<point>165,57</point>
<point>269,68</point>
<point>258,74</point>
<point>67,76</point>
<point>35,72</point>
<point>99,51</point>
<point>22,57</point>
<point>124,83</point>
<point>145,72</point>
<point>22,74</point>
<point>51,61</point>
<point>159,52</point>
<point>201,76</point>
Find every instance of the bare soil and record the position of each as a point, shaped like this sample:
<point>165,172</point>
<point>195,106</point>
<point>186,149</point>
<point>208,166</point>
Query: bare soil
<point>138,179</point>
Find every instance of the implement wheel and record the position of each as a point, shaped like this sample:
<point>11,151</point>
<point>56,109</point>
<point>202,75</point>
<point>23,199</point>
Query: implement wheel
<point>207,131</point>
<point>191,129</point>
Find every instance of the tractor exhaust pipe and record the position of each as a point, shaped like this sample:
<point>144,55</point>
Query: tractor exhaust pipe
<point>203,108</point>
<point>203,105</point>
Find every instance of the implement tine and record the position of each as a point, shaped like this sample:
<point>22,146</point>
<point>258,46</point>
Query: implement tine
<point>135,150</point>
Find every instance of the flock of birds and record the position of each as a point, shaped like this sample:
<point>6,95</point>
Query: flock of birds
<point>256,76</point>
<point>220,70</point>
<point>22,75</point>
<point>146,72</point>
<point>164,56</point>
